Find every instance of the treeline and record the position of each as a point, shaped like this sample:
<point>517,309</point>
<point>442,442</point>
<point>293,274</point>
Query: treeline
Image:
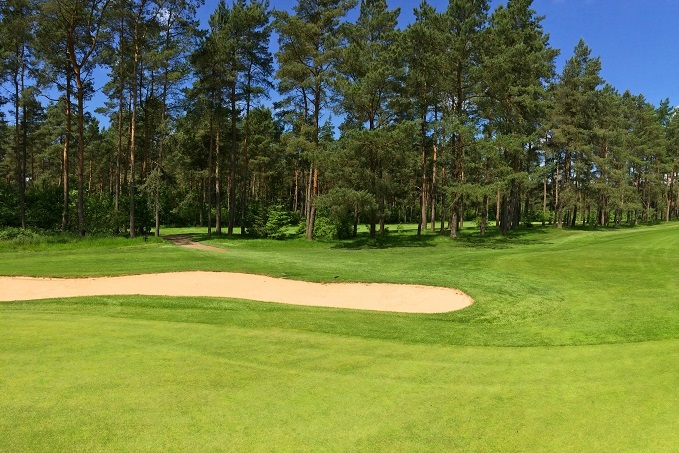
<point>459,116</point>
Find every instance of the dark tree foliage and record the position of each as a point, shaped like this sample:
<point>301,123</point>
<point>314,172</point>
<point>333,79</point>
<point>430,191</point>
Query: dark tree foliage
<point>459,116</point>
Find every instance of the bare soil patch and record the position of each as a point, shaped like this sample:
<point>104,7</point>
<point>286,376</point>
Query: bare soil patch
<point>362,296</point>
<point>186,240</point>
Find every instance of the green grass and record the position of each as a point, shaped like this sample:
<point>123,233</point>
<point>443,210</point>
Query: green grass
<point>572,345</point>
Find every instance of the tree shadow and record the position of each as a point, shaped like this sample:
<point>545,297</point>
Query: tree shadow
<point>390,240</point>
<point>613,227</point>
<point>470,237</point>
<point>494,240</point>
<point>201,237</point>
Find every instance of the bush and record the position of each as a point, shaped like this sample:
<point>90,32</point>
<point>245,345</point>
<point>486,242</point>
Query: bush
<point>267,222</point>
<point>44,207</point>
<point>187,210</point>
<point>278,220</point>
<point>9,206</point>
<point>99,214</point>
<point>255,220</point>
<point>339,209</point>
<point>15,234</point>
<point>328,227</point>
<point>32,236</point>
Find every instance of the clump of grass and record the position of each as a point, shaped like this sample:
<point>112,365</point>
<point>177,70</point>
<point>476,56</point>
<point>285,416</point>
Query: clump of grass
<point>27,236</point>
<point>13,238</point>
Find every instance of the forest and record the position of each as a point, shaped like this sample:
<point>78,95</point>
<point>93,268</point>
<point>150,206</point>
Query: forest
<point>457,117</point>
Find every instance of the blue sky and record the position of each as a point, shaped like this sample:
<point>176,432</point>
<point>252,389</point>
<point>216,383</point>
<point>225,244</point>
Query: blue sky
<point>635,39</point>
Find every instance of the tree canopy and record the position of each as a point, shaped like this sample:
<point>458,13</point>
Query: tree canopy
<point>459,116</point>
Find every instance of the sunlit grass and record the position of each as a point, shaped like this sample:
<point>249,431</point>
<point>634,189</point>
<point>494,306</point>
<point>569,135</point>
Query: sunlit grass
<point>596,314</point>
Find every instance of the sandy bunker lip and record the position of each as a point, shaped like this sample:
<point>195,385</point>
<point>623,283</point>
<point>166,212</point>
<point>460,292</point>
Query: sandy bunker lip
<point>362,296</point>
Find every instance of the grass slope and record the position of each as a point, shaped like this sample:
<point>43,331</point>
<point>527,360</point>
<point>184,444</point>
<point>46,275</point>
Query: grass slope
<point>595,314</point>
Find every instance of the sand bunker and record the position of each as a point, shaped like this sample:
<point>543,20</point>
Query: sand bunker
<point>363,296</point>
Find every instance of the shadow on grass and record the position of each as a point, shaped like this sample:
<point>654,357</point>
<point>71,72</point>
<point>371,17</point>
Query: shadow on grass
<point>614,227</point>
<point>201,237</point>
<point>364,241</point>
<point>495,241</point>
<point>470,237</point>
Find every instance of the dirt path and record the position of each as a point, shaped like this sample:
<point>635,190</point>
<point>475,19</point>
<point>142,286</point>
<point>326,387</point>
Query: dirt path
<point>184,240</point>
<point>362,296</point>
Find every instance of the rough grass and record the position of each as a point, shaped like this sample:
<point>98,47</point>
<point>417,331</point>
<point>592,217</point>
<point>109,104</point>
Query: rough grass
<point>595,314</point>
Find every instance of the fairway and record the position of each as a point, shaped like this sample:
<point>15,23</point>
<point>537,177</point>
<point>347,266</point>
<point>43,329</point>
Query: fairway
<point>572,344</point>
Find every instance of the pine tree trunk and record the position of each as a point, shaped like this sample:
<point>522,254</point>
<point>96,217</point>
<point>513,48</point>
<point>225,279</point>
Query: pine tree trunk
<point>132,168</point>
<point>498,208</point>
<point>381,204</point>
<point>559,207</point>
<point>133,130</point>
<point>119,152</point>
<point>423,181</point>
<point>505,216</point>
<point>433,192</point>
<point>232,161</point>
<point>20,177</point>
<point>575,215</point>
<point>443,200</point>
<point>209,179</point>
<point>295,199</point>
<point>218,186</point>
<point>132,181</point>
<point>307,196</point>
<point>312,208</point>
<point>544,201</point>
<point>163,126</point>
<point>484,215</point>
<point>668,199</point>
<point>202,207</point>
<point>80,95</point>
<point>455,209</point>
<point>246,143</point>
<point>66,152</point>
<point>311,221</point>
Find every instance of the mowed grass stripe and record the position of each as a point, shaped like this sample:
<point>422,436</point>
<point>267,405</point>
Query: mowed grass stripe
<point>594,312</point>
<point>119,383</point>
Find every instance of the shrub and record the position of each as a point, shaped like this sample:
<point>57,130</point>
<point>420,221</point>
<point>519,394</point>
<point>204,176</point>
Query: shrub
<point>339,210</point>
<point>267,222</point>
<point>43,207</point>
<point>278,220</point>
<point>9,206</point>
<point>15,234</point>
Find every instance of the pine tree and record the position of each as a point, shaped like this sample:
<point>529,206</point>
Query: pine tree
<point>308,50</point>
<point>369,79</point>
<point>80,25</point>
<point>465,24</point>
<point>574,121</point>
<point>424,47</point>
<point>16,25</point>
<point>240,36</point>
<point>255,79</point>
<point>516,68</point>
<point>178,33</point>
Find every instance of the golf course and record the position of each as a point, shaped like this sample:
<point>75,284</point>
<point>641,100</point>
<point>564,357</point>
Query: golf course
<point>571,344</point>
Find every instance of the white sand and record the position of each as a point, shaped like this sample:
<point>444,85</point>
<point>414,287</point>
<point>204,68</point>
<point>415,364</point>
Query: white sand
<point>362,296</point>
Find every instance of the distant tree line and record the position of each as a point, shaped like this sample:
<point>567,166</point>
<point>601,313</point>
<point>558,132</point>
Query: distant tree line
<point>460,116</point>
